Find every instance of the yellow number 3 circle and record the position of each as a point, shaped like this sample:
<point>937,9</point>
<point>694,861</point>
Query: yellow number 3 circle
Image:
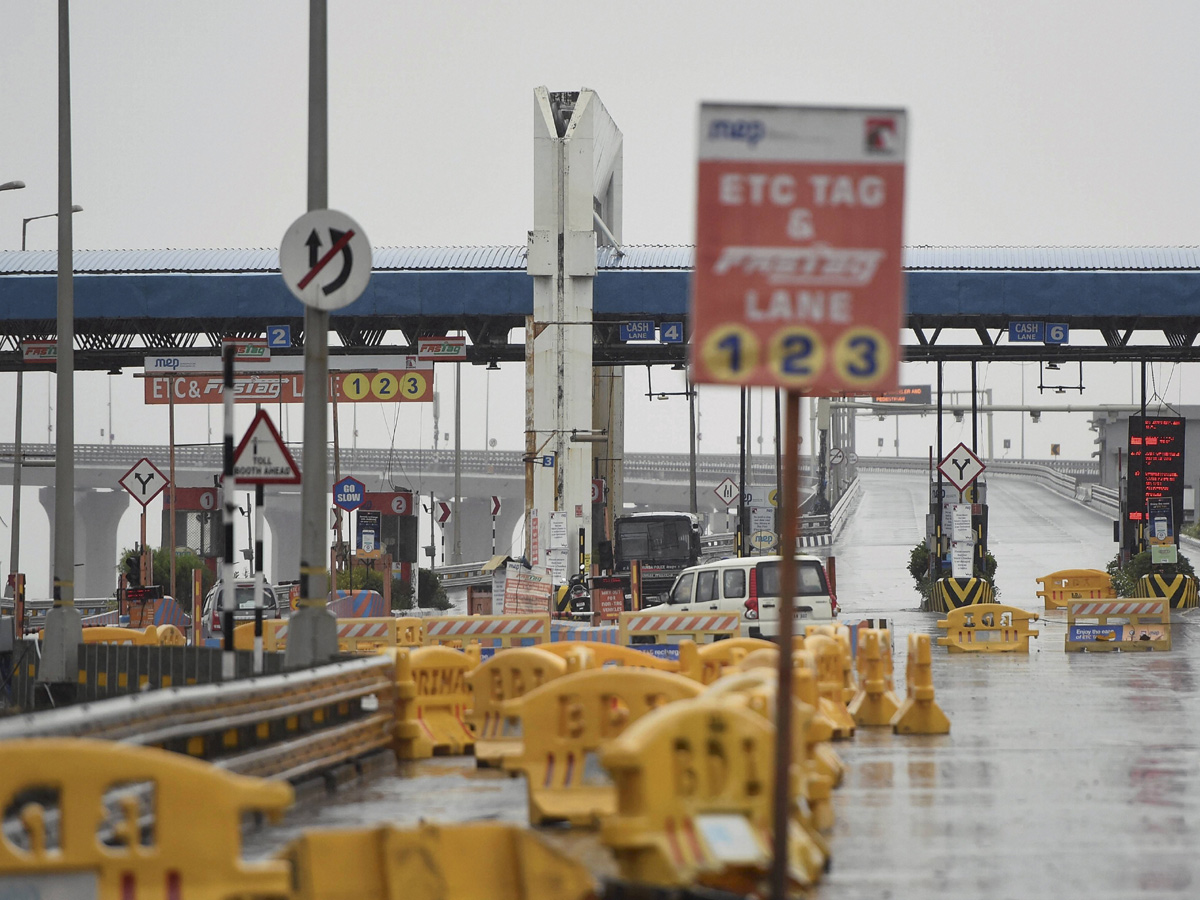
<point>412,385</point>
<point>862,357</point>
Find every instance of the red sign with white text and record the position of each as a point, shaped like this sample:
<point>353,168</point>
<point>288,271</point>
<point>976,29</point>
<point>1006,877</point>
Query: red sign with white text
<point>798,280</point>
<point>387,386</point>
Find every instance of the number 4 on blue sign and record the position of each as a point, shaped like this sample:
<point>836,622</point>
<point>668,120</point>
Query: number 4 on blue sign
<point>670,333</point>
<point>1057,333</point>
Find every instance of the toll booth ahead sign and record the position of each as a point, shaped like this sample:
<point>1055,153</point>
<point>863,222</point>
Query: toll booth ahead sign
<point>798,280</point>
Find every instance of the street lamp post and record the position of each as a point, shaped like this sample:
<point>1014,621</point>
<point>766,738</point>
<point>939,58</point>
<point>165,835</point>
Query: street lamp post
<point>25,222</point>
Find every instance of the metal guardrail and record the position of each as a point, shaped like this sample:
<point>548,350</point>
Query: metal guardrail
<point>226,720</point>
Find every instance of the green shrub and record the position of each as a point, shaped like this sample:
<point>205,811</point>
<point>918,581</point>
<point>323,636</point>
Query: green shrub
<point>1125,578</point>
<point>918,568</point>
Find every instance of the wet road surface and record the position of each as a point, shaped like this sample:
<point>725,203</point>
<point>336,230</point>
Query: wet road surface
<point>1064,775</point>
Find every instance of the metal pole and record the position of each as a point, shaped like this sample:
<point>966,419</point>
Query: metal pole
<point>64,627</point>
<point>14,545</point>
<point>312,633</point>
<point>337,512</point>
<point>778,460</point>
<point>454,516</point>
<point>259,581</point>
<point>974,411</point>
<point>228,495</point>
<point>789,502</point>
<point>937,554</point>
<point>693,506</point>
<point>171,486</point>
<point>741,520</point>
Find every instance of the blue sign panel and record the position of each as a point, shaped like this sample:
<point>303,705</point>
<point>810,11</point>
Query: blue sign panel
<point>1026,332</point>
<point>670,333</point>
<point>637,331</point>
<point>548,461</point>
<point>349,494</point>
<point>1057,333</point>
<point>279,337</point>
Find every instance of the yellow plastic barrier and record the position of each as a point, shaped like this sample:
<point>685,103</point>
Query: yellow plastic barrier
<point>1179,590</point>
<point>434,862</point>
<point>1075,584</point>
<point>100,850</point>
<point>827,656</point>
<point>354,635</point>
<point>612,655</point>
<point>171,636</point>
<point>653,627</point>
<point>506,676</point>
<point>1131,623</point>
<point>111,634</point>
<point>565,720</point>
<point>991,629</point>
<point>490,631</point>
<point>706,663</point>
<point>919,713</point>
<point>875,703</point>
<point>757,689</point>
<point>694,782</point>
<point>841,634</point>
<point>432,699</point>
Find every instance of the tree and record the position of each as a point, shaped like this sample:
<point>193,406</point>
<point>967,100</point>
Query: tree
<point>918,568</point>
<point>186,562</point>
<point>1125,578</point>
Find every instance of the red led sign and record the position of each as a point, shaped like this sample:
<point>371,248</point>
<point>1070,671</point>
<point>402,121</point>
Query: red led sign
<point>1155,471</point>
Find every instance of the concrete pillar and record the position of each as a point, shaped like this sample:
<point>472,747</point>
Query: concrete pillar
<point>98,514</point>
<point>282,512</point>
<point>577,154</point>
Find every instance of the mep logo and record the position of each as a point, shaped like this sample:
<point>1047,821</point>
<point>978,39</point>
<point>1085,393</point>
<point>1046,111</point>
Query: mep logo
<point>749,130</point>
<point>168,362</point>
<point>882,135</point>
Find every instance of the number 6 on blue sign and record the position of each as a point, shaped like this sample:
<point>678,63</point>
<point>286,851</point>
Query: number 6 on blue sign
<point>1057,333</point>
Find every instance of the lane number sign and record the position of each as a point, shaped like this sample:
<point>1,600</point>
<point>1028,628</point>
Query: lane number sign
<point>798,280</point>
<point>325,259</point>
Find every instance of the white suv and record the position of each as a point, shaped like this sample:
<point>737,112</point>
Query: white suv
<point>749,586</point>
<point>243,595</point>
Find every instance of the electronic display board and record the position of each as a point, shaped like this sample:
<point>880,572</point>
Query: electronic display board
<point>1155,472</point>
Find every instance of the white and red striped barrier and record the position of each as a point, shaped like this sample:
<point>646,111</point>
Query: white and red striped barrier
<point>1118,608</point>
<point>503,631</point>
<point>700,627</point>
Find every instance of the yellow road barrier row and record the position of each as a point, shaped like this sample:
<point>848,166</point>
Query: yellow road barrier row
<point>1127,624</point>
<point>506,676</point>
<point>569,718</point>
<point>1075,584</point>
<point>875,703</point>
<point>706,663</point>
<point>489,631</point>
<point>354,635</point>
<point>995,628</point>
<point>97,846</point>
<point>710,822</point>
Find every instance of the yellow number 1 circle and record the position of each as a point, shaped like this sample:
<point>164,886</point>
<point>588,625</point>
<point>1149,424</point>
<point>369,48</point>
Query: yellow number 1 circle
<point>730,352</point>
<point>862,356</point>
<point>356,386</point>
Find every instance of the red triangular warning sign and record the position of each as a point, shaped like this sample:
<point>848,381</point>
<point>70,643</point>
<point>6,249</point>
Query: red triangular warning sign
<point>261,457</point>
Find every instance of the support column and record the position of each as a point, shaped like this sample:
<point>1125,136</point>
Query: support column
<point>577,152</point>
<point>282,512</point>
<point>97,517</point>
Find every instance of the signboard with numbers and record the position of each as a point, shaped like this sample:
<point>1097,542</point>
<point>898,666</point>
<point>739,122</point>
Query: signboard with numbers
<point>798,281</point>
<point>378,386</point>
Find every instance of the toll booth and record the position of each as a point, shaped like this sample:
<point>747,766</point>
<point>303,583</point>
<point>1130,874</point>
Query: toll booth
<point>397,528</point>
<point>964,529</point>
<point>198,523</point>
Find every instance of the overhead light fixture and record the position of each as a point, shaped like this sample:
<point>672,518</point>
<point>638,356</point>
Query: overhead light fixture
<point>493,366</point>
<point>1052,366</point>
<point>678,367</point>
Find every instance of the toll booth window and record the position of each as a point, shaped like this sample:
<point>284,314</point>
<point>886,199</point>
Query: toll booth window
<point>734,583</point>
<point>682,592</point>
<point>811,581</point>
<point>706,587</point>
<point>651,541</point>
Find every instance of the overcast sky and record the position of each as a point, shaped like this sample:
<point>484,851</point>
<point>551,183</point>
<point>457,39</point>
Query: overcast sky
<point>1031,123</point>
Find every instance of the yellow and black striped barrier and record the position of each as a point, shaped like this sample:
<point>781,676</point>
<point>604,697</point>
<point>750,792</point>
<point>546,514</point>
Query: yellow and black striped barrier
<point>1178,590</point>
<point>955,593</point>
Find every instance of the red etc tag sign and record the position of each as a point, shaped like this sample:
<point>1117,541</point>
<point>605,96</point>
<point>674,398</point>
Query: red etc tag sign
<point>798,281</point>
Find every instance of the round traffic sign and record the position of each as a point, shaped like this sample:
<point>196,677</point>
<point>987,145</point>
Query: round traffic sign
<point>325,259</point>
<point>837,456</point>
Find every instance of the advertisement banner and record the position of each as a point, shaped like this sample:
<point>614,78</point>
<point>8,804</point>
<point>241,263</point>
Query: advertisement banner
<point>391,386</point>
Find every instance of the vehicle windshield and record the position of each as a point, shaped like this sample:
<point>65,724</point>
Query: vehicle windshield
<point>809,575</point>
<point>653,541</point>
<point>243,595</point>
